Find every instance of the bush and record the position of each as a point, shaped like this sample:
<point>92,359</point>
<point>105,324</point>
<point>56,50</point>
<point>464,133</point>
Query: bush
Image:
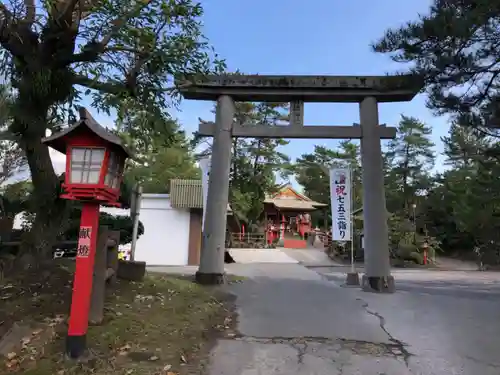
<point>416,257</point>
<point>123,224</point>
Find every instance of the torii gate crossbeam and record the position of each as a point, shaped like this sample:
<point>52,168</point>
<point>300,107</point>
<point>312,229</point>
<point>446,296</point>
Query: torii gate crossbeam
<point>290,132</point>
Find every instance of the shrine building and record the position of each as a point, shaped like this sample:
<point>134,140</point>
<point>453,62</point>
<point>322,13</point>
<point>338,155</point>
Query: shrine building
<point>288,217</point>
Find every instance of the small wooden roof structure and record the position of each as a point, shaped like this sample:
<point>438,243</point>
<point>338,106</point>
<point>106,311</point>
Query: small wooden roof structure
<point>57,141</point>
<point>289,199</point>
<point>188,194</point>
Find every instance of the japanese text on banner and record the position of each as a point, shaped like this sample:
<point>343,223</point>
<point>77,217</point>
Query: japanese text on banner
<point>340,191</point>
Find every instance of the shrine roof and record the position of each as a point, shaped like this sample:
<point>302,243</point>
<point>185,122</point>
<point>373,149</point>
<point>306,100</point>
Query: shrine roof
<point>289,198</point>
<point>287,204</point>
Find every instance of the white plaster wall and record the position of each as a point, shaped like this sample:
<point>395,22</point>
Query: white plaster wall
<point>166,231</point>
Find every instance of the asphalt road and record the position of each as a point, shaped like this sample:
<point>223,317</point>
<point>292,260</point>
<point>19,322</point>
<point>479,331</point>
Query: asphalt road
<point>295,320</point>
<point>448,320</point>
<point>459,284</point>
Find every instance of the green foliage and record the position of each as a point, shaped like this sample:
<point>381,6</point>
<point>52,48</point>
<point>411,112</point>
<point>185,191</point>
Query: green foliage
<point>155,173</point>
<point>398,231</point>
<point>168,164</point>
<point>124,224</point>
<point>462,206</point>
<point>454,48</point>
<point>12,160</point>
<point>408,161</point>
<point>408,245</point>
<point>126,55</point>
<point>463,146</point>
<point>15,198</point>
<point>123,54</point>
<point>161,152</point>
<point>312,171</point>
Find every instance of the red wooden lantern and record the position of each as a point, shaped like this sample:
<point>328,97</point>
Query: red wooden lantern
<point>94,167</point>
<point>94,160</point>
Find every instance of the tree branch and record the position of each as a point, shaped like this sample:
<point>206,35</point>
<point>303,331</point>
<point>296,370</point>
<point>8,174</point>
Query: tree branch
<point>114,88</point>
<point>5,20</point>
<point>91,51</point>
<point>67,9</point>
<point>117,87</point>
<point>30,12</point>
<point>94,48</point>
<point>14,36</point>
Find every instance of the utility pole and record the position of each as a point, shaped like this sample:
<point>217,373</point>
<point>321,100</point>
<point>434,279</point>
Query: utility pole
<point>414,206</point>
<point>135,207</point>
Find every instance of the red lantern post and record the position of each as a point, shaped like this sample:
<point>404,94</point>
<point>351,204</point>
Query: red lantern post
<point>94,167</point>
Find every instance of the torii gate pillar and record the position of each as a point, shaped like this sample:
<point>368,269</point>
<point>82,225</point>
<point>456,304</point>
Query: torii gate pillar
<point>211,270</point>
<point>367,91</point>
<point>377,264</point>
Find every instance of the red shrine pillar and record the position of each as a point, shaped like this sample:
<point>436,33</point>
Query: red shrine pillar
<point>82,284</point>
<point>283,226</point>
<point>301,227</point>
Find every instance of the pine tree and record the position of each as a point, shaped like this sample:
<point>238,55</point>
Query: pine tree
<point>410,157</point>
<point>455,49</point>
<point>311,170</point>
<point>463,146</point>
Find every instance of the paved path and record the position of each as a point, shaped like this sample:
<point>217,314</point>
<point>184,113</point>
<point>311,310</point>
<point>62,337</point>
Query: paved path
<point>294,320</point>
<point>449,319</point>
<point>310,257</point>
<point>245,256</point>
<point>460,284</point>
<point>299,320</point>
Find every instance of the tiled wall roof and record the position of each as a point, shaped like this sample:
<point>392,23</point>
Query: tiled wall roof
<point>186,193</point>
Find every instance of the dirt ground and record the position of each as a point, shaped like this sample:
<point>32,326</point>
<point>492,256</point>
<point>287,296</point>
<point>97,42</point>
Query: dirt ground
<point>164,325</point>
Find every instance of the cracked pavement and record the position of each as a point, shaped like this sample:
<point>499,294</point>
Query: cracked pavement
<point>294,320</point>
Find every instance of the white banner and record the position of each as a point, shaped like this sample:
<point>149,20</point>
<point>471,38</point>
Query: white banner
<point>340,192</point>
<point>205,166</point>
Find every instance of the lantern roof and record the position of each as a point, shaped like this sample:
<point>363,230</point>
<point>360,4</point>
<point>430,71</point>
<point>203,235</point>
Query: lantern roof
<point>57,141</point>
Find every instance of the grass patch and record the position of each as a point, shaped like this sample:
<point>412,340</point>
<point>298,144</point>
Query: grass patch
<point>233,279</point>
<point>164,324</point>
<point>32,296</point>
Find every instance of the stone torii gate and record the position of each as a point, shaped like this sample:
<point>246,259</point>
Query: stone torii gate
<point>368,91</point>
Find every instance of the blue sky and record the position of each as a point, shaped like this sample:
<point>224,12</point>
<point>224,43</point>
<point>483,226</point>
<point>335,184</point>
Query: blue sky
<point>310,37</point>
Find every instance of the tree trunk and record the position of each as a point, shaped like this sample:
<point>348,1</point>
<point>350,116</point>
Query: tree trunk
<point>235,154</point>
<point>51,212</point>
<point>257,157</point>
<point>405,177</point>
